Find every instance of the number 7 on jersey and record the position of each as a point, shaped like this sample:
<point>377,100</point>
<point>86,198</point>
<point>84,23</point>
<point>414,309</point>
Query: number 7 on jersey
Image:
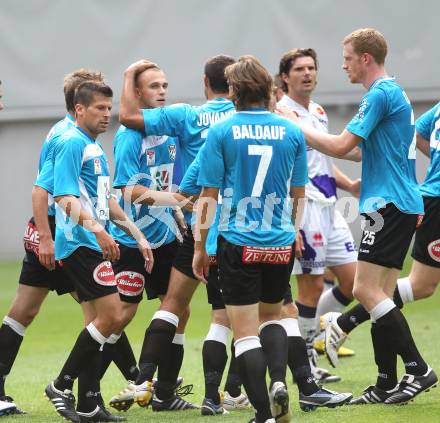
<point>265,151</point>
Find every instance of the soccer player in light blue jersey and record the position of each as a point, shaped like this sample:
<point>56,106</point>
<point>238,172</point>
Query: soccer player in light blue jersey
<point>258,161</point>
<point>82,243</point>
<point>190,124</point>
<point>391,203</point>
<point>144,169</point>
<point>39,274</point>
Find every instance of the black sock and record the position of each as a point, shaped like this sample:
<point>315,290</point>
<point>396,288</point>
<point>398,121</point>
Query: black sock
<point>168,373</point>
<point>351,318</point>
<point>385,357</point>
<point>83,350</point>
<point>155,349</point>
<point>10,342</point>
<point>397,299</point>
<point>273,339</point>
<point>252,368</point>
<point>399,332</point>
<point>233,380</point>
<point>214,363</point>
<point>106,358</point>
<point>124,359</point>
<point>88,383</point>
<point>299,365</point>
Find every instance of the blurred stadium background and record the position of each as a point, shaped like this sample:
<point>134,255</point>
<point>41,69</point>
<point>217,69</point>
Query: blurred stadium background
<point>41,40</point>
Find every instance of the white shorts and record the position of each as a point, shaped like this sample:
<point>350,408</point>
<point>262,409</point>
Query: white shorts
<point>327,240</point>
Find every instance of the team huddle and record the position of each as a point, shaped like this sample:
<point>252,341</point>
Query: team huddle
<point>239,194</point>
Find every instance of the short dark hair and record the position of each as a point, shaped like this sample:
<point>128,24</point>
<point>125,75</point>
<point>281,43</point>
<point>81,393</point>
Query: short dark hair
<point>249,82</point>
<point>288,59</point>
<point>86,92</point>
<point>368,40</point>
<point>215,72</point>
<point>74,79</point>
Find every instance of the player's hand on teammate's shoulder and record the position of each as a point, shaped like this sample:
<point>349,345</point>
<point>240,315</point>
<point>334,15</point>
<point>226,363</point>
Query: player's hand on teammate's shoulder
<point>46,253</point>
<point>201,265</point>
<point>287,113</point>
<point>140,66</point>
<point>109,247</point>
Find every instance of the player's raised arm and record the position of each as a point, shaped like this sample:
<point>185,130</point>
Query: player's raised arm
<point>130,114</point>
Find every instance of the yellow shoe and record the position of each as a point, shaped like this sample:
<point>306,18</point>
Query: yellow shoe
<point>342,352</point>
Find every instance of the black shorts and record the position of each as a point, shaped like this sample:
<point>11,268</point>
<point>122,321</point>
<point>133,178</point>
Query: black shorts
<point>426,248</point>
<point>90,274</point>
<point>132,277</point>
<point>288,298</point>
<point>244,281</point>
<point>184,256</point>
<point>386,245</point>
<point>215,297</point>
<point>33,273</point>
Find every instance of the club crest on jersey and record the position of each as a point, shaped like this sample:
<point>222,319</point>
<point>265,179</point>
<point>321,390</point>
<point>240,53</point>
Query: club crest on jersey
<point>151,157</point>
<point>130,284</point>
<point>162,180</point>
<point>434,250</point>
<point>97,166</point>
<point>172,152</point>
<point>103,274</point>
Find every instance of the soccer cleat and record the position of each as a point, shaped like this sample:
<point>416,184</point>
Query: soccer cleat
<point>410,386</point>
<point>125,399</point>
<point>210,408</point>
<point>174,403</point>
<point>323,398</point>
<point>279,403</point>
<point>334,336</point>
<point>7,408</point>
<point>64,402</point>
<point>8,399</point>
<point>342,352</point>
<point>253,420</point>
<point>231,403</point>
<point>143,393</point>
<point>323,376</point>
<point>373,395</point>
<point>100,414</point>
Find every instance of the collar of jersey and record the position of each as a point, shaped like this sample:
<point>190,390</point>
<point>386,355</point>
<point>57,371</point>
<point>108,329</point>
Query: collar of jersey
<point>70,117</point>
<point>219,100</point>
<point>381,79</point>
<point>255,111</point>
<point>84,132</point>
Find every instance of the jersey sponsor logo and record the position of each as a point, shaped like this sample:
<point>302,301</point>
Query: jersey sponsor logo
<point>103,274</point>
<point>130,284</point>
<point>320,110</point>
<point>151,157</point>
<point>318,240</point>
<point>434,250</point>
<point>162,180</point>
<point>172,152</point>
<point>31,239</point>
<point>267,255</point>
<point>258,132</point>
<point>97,166</point>
<point>213,260</point>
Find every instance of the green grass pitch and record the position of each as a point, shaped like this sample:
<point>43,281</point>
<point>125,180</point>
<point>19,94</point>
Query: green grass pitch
<point>48,340</point>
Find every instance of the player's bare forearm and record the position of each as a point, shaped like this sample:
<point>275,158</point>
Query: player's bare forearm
<point>354,155</point>
<point>122,221</point>
<point>40,210</point>
<point>423,145</point>
<point>139,194</point>
<point>72,206</point>
<point>298,195</point>
<point>205,213</point>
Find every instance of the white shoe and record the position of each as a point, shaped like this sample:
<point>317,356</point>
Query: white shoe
<point>125,399</point>
<point>279,403</point>
<point>143,393</point>
<point>7,408</point>
<point>231,403</point>
<point>334,336</point>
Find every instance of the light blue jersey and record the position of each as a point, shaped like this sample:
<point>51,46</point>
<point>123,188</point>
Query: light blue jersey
<point>80,170</point>
<point>147,161</point>
<point>255,157</point>
<point>189,123</point>
<point>45,165</point>
<point>428,126</point>
<point>189,186</point>
<point>385,121</point>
